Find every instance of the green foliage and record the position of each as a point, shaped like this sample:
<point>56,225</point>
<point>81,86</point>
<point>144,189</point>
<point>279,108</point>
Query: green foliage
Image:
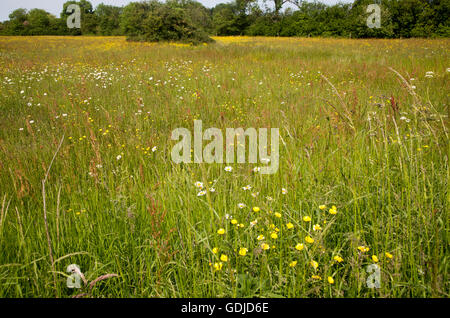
<point>155,22</point>
<point>190,21</point>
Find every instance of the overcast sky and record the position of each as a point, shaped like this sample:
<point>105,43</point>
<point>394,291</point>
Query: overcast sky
<point>55,6</point>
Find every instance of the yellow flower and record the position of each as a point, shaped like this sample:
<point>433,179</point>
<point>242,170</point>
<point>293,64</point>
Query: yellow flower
<point>307,219</point>
<point>314,264</point>
<point>256,209</point>
<point>299,246</point>
<point>388,255</point>
<point>316,277</point>
<point>243,251</point>
<point>234,221</point>
<point>293,264</point>
<point>265,246</point>
<point>218,266</point>
<point>333,210</point>
<point>221,231</point>
<point>260,237</point>
<point>224,258</point>
<point>317,227</point>
<point>215,250</point>
<point>363,248</point>
<point>289,225</point>
<point>330,280</point>
<point>375,258</point>
<point>274,235</point>
<point>278,215</point>
<point>309,239</point>
<point>322,207</point>
<point>338,259</point>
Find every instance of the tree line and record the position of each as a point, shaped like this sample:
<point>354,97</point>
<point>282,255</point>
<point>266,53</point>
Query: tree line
<point>172,20</point>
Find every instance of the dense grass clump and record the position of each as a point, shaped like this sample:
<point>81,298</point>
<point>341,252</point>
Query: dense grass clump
<point>363,175</point>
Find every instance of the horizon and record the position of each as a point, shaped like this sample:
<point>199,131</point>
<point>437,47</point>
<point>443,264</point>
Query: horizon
<point>55,6</point>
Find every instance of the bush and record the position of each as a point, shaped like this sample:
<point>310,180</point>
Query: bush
<point>161,22</point>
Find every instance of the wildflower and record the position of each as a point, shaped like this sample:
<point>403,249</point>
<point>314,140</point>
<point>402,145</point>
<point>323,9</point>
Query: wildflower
<point>201,193</point>
<point>247,187</point>
<point>388,255</point>
<point>254,222</point>
<point>228,168</point>
<point>256,209</point>
<point>283,191</point>
<point>212,189</point>
<point>278,215</point>
<point>221,231</point>
<point>307,218</point>
<point>309,239</point>
<point>255,194</point>
<point>274,235</point>
<point>119,157</point>
<point>316,277</point>
<point>234,221</point>
<point>322,207</point>
<point>363,248</point>
<point>218,266</point>
<point>289,225</point>
<point>299,246</point>
<point>241,205</point>
<point>330,280</point>
<point>293,264</point>
<point>199,184</point>
<point>314,264</point>
<point>154,149</point>
<point>256,169</point>
<point>215,250</point>
<point>224,258</point>
<point>265,246</point>
<point>317,227</point>
<point>243,251</point>
<point>260,237</point>
<point>333,210</point>
<point>375,258</point>
<point>338,259</point>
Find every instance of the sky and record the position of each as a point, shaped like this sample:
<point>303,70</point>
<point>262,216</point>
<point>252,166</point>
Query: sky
<point>55,6</point>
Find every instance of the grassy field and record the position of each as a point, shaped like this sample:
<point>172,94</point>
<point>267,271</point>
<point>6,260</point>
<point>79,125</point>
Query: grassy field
<point>363,127</point>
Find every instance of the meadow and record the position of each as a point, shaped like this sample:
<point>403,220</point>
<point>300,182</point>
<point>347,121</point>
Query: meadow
<point>86,175</point>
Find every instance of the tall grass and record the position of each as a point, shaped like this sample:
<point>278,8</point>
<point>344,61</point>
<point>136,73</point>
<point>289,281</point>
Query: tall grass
<point>362,128</point>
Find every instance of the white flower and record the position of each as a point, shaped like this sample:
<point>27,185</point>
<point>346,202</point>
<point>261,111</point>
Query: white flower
<point>119,157</point>
<point>212,190</point>
<point>429,74</point>
<point>31,121</point>
<point>203,192</point>
<point>99,166</point>
<point>283,190</point>
<point>269,198</point>
<point>265,160</point>
<point>227,216</point>
<point>199,184</point>
<point>253,223</point>
<point>154,149</point>
<point>20,129</point>
<point>256,169</point>
<point>228,168</point>
<point>241,205</point>
<point>255,194</point>
<point>247,187</point>
<point>22,92</point>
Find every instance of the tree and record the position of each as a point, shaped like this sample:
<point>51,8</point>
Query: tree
<point>154,22</point>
